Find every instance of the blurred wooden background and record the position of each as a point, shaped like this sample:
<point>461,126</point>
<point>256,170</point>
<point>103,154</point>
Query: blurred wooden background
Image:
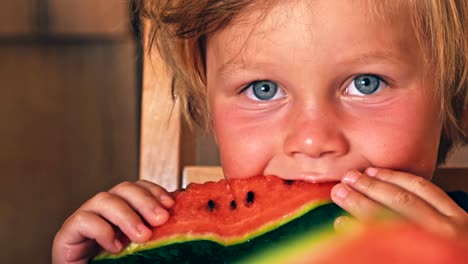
<point>69,101</point>
<point>71,78</point>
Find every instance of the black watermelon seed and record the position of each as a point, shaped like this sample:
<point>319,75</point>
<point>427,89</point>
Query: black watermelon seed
<point>288,182</point>
<point>250,197</point>
<point>233,205</point>
<point>211,205</point>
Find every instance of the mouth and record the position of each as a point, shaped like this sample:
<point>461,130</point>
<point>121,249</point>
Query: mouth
<point>315,177</point>
<point>316,174</point>
<point>317,171</point>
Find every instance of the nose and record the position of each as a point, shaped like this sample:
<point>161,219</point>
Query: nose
<point>315,136</point>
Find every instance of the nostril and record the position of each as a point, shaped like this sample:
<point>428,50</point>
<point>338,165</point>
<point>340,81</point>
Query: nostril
<point>327,153</point>
<point>315,155</point>
<point>316,144</point>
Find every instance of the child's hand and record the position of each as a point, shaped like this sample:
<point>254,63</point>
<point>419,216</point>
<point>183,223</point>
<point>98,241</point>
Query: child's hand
<point>364,195</point>
<point>100,221</point>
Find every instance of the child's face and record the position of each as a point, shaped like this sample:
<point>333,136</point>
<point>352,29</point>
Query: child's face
<point>317,88</point>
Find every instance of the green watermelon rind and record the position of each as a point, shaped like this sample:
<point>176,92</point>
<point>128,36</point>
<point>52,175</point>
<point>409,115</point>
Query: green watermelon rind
<point>312,242</point>
<point>322,213</point>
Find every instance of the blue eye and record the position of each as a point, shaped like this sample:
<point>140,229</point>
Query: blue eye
<point>365,84</point>
<point>264,91</point>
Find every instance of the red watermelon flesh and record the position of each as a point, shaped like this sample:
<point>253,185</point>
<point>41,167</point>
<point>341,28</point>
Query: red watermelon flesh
<point>240,208</point>
<point>389,242</point>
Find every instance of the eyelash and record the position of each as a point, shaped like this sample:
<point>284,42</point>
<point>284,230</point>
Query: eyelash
<point>279,92</point>
<point>382,80</point>
<point>382,84</point>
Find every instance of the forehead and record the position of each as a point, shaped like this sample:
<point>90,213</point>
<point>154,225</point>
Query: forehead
<point>296,24</point>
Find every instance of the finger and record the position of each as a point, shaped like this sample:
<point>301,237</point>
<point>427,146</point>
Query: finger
<point>163,196</point>
<point>64,253</point>
<point>355,203</point>
<point>425,189</point>
<point>142,201</point>
<point>74,237</point>
<point>116,211</point>
<point>83,252</point>
<point>395,198</point>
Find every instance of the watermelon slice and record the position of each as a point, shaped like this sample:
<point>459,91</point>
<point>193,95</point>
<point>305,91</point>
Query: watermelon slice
<point>266,219</point>
<point>388,242</point>
<point>216,222</point>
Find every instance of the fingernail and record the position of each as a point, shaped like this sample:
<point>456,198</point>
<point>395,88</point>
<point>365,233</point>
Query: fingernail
<point>351,177</point>
<point>142,230</point>
<point>371,172</point>
<point>166,200</point>
<point>160,215</point>
<point>117,244</point>
<point>341,191</point>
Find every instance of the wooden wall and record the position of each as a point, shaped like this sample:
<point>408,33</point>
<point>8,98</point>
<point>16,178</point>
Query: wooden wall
<point>69,115</point>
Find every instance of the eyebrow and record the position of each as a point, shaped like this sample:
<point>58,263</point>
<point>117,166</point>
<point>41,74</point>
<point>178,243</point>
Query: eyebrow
<point>236,65</point>
<point>374,56</point>
<point>230,67</point>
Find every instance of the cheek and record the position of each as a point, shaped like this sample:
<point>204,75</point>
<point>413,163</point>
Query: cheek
<point>403,137</point>
<point>245,147</point>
